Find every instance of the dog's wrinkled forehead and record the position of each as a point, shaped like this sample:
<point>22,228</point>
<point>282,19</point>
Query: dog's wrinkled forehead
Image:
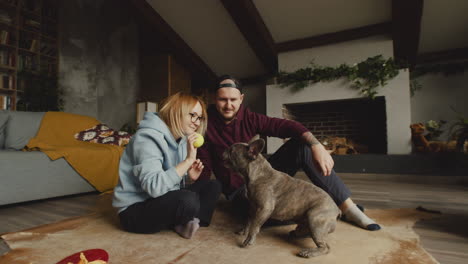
<point>235,149</point>
<point>239,148</point>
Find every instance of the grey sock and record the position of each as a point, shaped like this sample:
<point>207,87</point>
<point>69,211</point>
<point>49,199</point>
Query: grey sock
<point>355,215</point>
<point>189,229</point>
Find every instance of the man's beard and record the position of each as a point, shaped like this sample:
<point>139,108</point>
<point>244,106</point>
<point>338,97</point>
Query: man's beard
<point>231,117</point>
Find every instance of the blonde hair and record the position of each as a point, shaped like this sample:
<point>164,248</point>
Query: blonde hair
<point>177,107</point>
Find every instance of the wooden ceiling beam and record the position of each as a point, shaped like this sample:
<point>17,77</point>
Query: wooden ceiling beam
<point>336,37</point>
<point>406,20</point>
<point>251,25</point>
<point>181,50</point>
<point>460,54</point>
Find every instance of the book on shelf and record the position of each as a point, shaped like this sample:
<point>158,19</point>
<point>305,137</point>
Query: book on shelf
<point>6,81</point>
<point>33,46</point>
<point>4,37</point>
<point>32,23</point>
<point>6,58</point>
<point>5,102</point>
<point>27,62</point>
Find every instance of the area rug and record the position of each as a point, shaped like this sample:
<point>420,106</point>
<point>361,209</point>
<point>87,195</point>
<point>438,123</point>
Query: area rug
<point>395,243</point>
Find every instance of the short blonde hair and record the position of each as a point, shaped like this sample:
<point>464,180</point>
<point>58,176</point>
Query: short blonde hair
<point>177,107</point>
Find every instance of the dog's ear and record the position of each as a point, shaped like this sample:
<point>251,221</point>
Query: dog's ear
<point>255,148</point>
<point>253,139</point>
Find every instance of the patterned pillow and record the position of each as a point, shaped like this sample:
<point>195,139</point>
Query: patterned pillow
<point>103,134</point>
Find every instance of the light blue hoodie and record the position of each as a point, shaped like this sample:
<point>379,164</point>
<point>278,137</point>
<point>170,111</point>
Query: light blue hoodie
<point>147,167</point>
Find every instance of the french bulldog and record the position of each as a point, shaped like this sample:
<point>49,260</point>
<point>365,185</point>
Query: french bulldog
<point>274,194</point>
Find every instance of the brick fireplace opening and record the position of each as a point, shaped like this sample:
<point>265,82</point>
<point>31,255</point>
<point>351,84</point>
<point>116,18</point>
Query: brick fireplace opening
<point>361,121</point>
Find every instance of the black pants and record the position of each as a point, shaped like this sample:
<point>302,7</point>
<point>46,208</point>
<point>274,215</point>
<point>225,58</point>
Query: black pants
<point>173,208</point>
<point>289,158</point>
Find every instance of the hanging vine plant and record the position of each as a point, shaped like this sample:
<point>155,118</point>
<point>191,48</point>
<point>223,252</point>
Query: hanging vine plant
<point>366,76</point>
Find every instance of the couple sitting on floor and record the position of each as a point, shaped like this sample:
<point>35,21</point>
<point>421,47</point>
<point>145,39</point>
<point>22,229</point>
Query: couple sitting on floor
<point>164,181</point>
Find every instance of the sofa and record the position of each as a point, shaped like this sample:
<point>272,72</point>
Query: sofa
<point>31,175</point>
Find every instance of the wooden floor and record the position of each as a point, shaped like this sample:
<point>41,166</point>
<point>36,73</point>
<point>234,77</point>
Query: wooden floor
<point>445,237</point>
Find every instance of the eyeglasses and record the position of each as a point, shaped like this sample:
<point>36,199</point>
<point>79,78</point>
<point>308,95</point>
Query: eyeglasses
<point>195,117</point>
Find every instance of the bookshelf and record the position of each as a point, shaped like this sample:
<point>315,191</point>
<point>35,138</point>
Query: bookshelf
<point>28,48</point>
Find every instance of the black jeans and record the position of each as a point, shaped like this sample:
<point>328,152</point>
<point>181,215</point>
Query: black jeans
<point>173,208</point>
<point>289,158</point>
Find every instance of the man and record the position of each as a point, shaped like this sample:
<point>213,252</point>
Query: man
<point>230,122</point>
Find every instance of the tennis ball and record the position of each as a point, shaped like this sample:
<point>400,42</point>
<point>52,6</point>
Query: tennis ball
<point>199,141</point>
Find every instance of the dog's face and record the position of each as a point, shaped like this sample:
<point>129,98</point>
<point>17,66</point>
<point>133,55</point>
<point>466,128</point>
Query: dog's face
<point>417,128</point>
<point>240,155</point>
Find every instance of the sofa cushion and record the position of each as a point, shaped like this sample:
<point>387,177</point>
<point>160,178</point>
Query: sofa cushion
<point>101,133</point>
<point>4,115</point>
<point>21,127</point>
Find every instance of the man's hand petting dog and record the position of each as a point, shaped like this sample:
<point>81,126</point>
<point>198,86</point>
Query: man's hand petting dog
<point>274,194</point>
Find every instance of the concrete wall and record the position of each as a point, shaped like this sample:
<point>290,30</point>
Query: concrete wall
<point>98,64</point>
<point>437,95</point>
<point>396,92</point>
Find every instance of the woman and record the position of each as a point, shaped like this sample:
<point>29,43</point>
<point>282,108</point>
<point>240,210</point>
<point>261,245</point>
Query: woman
<point>152,193</point>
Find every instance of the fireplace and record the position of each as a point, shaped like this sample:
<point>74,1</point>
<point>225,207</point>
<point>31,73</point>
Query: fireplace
<point>386,122</point>
<point>361,121</point>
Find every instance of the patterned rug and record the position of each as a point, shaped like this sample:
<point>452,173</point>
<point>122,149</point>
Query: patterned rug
<point>395,243</point>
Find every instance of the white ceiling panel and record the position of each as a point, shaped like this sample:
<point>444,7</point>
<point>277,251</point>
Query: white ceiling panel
<point>209,30</point>
<point>444,25</point>
<point>298,19</point>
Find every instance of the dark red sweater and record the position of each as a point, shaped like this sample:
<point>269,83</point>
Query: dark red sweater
<point>245,126</point>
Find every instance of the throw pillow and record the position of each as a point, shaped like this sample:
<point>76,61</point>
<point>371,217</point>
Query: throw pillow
<point>103,134</point>
<point>21,127</point>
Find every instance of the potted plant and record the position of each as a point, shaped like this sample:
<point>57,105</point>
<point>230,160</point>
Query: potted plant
<point>434,129</point>
<point>459,131</point>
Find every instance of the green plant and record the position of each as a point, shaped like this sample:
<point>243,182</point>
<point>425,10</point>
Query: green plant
<point>459,130</point>
<point>40,93</point>
<point>366,76</point>
<point>434,129</point>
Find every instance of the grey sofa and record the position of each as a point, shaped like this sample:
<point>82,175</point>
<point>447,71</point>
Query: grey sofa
<point>27,176</point>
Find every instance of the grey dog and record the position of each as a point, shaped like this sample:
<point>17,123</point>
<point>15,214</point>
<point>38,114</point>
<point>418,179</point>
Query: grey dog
<point>274,194</point>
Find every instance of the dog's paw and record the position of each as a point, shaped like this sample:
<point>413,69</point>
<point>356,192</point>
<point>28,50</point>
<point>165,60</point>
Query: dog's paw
<point>247,242</point>
<point>313,252</point>
<point>305,253</point>
<point>309,252</point>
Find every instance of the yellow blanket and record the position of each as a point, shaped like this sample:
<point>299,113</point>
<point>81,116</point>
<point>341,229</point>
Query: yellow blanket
<point>97,163</point>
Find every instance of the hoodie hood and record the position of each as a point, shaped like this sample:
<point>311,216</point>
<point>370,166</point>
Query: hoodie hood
<point>151,120</point>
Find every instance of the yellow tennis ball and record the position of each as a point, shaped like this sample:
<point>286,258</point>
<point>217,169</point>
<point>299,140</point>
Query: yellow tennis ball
<point>199,141</point>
